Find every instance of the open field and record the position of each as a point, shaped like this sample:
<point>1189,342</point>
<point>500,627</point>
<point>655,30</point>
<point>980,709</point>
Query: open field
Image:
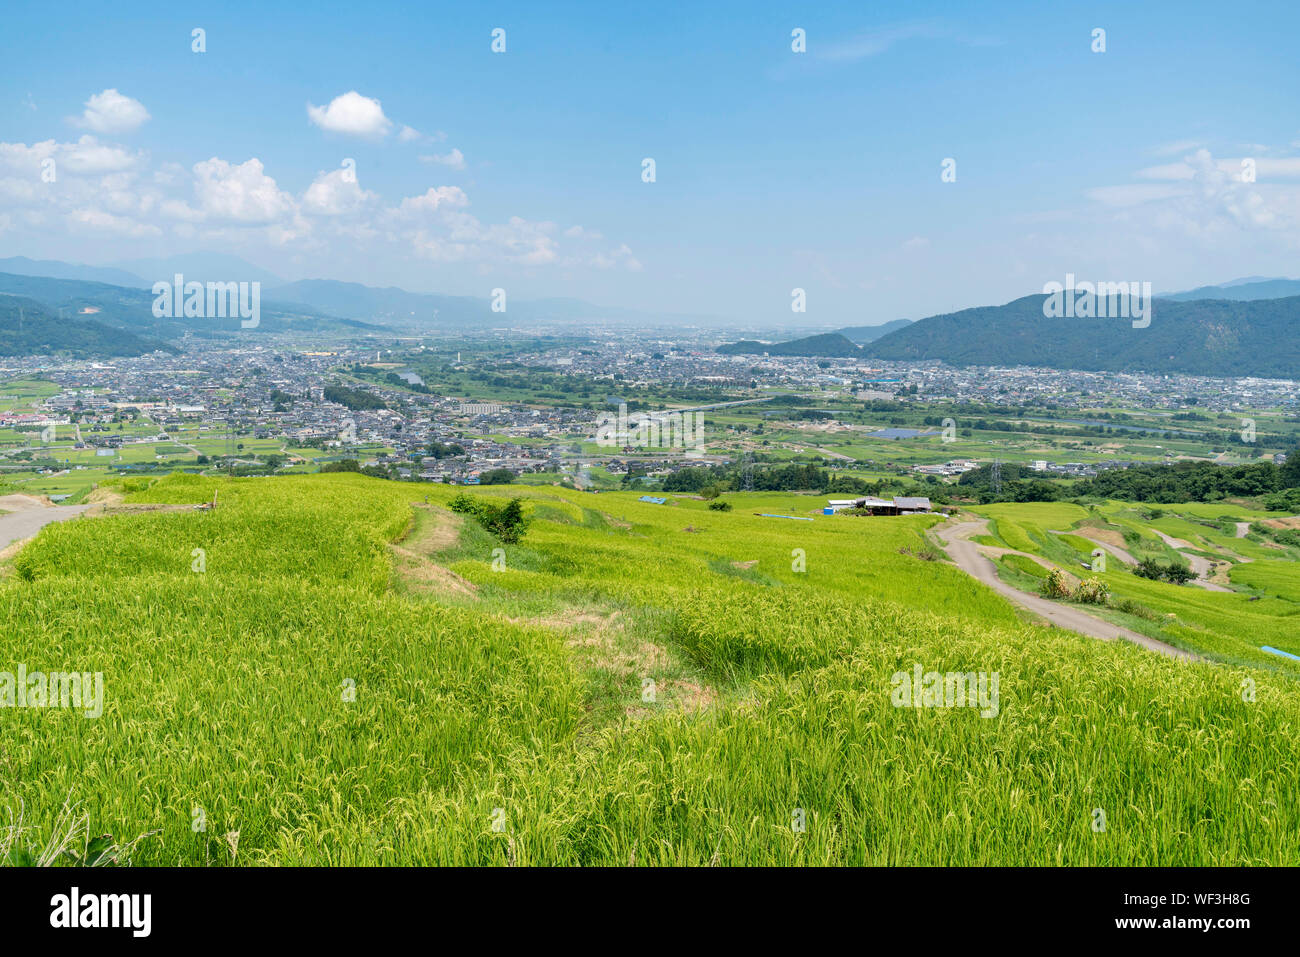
<point>503,716</point>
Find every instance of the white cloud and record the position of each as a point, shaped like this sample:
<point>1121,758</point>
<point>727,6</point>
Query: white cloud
<point>335,193</point>
<point>622,256</point>
<point>239,194</point>
<point>1265,168</point>
<point>437,227</point>
<point>111,112</point>
<point>1288,168</point>
<point>105,190</point>
<point>435,198</point>
<point>15,191</point>
<point>27,159</point>
<point>1209,199</point>
<point>409,134</point>
<point>453,160</point>
<point>353,115</point>
<point>87,157</point>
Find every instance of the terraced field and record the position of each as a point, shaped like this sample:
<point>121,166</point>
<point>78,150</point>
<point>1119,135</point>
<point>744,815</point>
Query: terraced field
<point>1253,598</point>
<point>348,673</point>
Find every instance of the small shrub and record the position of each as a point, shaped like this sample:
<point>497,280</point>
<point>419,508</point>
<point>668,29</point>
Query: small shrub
<point>507,522</point>
<point>342,465</point>
<point>463,503</point>
<point>720,506</point>
<point>1055,585</point>
<point>1092,592</point>
<point>1176,572</point>
<point>1129,607</point>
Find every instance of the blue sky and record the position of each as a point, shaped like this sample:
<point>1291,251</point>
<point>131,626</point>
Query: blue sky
<point>774,169</point>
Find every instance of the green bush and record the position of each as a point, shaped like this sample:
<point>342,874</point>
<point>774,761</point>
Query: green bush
<point>1176,572</point>
<point>1093,591</point>
<point>507,522</point>
<point>1054,585</point>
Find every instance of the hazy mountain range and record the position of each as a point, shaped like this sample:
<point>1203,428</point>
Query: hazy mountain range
<point>29,328</point>
<point>346,300</point>
<point>1242,289</point>
<point>1243,327</point>
<point>129,310</point>
<point>1211,337</point>
<point>828,345</point>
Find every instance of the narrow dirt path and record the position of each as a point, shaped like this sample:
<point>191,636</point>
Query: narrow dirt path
<point>1123,554</point>
<point>969,559</point>
<point>431,531</point>
<point>1203,567</point>
<point>1242,529</point>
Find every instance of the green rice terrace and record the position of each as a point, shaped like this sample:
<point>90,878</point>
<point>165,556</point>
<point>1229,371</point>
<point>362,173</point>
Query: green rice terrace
<point>334,669</point>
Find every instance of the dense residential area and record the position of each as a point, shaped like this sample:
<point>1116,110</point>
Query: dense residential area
<point>609,410</point>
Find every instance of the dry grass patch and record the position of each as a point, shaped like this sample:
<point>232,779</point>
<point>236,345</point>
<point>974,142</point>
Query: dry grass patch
<point>426,577</point>
<point>430,531</point>
<point>1291,521</point>
<point>20,502</point>
<point>617,659</point>
<point>1103,535</point>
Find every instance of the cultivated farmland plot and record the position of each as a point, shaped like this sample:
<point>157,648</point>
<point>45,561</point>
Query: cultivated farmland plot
<point>332,670</point>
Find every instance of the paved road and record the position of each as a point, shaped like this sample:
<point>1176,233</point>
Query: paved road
<point>17,526</point>
<point>969,559</point>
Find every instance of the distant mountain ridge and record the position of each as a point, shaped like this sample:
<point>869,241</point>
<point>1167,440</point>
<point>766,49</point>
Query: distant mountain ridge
<point>131,309</point>
<point>344,300</point>
<point>1241,290</point>
<point>28,328</point>
<point>865,334</point>
<point>353,300</point>
<point>830,345</point>
<point>1211,337</point>
<point>55,269</point>
<point>421,310</point>
<point>200,267</point>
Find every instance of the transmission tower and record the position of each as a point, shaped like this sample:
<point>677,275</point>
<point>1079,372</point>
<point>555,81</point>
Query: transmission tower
<point>747,472</point>
<point>995,477</point>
